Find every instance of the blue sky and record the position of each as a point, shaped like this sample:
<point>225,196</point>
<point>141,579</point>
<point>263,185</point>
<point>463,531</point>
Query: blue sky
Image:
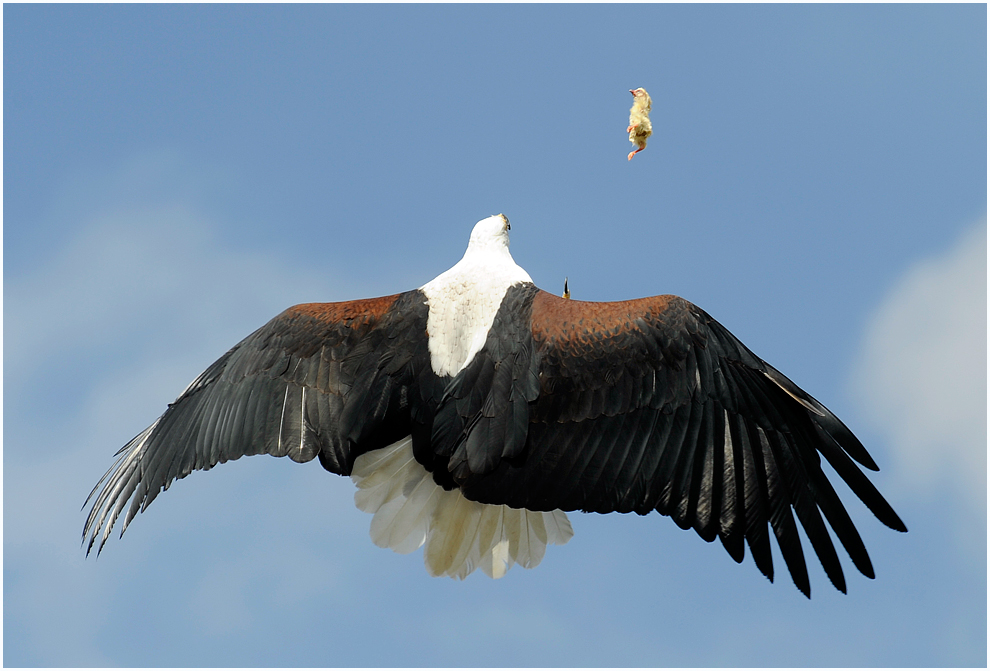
<point>174,176</point>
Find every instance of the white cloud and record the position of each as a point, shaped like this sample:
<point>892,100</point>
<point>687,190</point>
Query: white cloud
<point>922,372</point>
<point>130,304</point>
<point>139,293</point>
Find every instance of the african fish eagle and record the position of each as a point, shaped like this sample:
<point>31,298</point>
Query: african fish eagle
<point>473,411</point>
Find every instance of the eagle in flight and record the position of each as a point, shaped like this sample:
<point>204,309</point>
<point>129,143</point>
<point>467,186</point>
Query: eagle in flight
<point>474,412</point>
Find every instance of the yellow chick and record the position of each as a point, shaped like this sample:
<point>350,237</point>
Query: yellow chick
<point>640,128</point>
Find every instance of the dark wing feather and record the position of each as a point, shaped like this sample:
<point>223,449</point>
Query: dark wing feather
<point>331,380</point>
<point>483,415</point>
<point>653,405</point>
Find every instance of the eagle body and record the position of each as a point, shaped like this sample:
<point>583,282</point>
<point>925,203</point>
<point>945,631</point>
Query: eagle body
<point>474,412</point>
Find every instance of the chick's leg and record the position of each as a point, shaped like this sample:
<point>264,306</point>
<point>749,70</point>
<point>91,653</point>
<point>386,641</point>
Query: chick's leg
<point>633,153</point>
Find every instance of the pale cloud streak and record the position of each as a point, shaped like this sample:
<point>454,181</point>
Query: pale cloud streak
<point>100,336</point>
<point>921,377</point>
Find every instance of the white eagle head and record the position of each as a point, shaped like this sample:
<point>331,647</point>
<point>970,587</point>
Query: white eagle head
<point>491,234</point>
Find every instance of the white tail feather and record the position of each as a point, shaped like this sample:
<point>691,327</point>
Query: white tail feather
<point>558,527</point>
<point>491,547</point>
<point>452,532</point>
<point>411,510</point>
<point>381,476</point>
<point>402,523</point>
<point>536,538</point>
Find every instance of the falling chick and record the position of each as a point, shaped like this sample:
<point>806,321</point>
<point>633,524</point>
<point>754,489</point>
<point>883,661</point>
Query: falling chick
<point>640,129</point>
